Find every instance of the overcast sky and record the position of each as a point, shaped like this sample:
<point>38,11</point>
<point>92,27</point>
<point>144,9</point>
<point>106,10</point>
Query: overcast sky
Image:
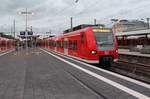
<point>55,14</point>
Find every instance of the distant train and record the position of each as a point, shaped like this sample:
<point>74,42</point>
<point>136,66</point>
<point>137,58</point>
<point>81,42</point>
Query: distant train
<point>133,38</point>
<point>88,43</point>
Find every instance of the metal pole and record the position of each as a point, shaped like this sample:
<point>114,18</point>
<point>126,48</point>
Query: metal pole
<point>148,22</point>
<point>76,1</point>
<point>14,28</point>
<point>26,30</point>
<point>50,33</point>
<point>11,35</point>
<point>71,22</point>
<point>31,39</point>
<point>26,19</point>
<point>11,31</point>
<point>94,21</point>
<point>31,28</point>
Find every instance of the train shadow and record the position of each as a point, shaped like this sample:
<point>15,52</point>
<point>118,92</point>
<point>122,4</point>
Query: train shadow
<point>103,66</point>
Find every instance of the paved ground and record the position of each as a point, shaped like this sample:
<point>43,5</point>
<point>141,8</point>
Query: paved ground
<point>37,75</point>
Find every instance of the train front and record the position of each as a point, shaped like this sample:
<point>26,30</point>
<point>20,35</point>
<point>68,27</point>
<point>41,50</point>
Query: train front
<point>106,45</point>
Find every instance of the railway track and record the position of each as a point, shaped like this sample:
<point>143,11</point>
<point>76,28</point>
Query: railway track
<point>134,70</point>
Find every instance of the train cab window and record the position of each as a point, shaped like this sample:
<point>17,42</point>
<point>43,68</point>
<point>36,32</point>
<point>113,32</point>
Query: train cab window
<point>104,40</point>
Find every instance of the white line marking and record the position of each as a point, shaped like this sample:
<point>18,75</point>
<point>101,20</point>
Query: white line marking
<point>6,52</point>
<point>109,72</point>
<point>83,85</point>
<point>117,85</point>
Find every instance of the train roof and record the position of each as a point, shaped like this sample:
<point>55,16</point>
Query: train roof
<point>82,26</point>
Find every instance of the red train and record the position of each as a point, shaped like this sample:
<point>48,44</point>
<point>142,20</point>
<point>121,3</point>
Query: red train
<point>88,43</point>
<point>6,44</point>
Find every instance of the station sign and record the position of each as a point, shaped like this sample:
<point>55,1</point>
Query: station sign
<point>101,30</point>
<point>24,33</point>
<point>26,13</point>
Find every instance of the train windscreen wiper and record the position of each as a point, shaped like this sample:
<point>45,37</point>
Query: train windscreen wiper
<point>105,42</point>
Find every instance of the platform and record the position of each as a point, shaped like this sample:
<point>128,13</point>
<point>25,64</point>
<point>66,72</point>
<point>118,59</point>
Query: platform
<point>127,52</point>
<point>39,74</point>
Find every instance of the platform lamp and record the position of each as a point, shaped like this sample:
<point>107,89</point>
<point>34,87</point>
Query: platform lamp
<point>114,21</point>
<point>148,22</point>
<point>76,1</point>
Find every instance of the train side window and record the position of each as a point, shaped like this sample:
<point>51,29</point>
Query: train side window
<point>58,44</point>
<point>74,45</point>
<point>65,44</point>
<point>49,43</point>
<point>54,44</point>
<point>61,44</point>
<point>70,44</point>
<point>82,37</point>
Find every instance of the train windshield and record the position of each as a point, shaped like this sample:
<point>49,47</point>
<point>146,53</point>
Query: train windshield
<point>104,40</point>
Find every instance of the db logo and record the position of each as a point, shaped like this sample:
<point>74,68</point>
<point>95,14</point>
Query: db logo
<point>106,52</point>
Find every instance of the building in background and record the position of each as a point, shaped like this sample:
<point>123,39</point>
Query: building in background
<point>131,33</point>
<point>129,25</point>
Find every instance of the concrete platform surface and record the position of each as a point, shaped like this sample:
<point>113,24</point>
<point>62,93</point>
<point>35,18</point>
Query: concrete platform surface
<point>127,52</point>
<point>38,75</point>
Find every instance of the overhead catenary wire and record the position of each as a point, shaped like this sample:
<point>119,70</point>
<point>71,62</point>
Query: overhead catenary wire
<point>88,6</point>
<point>85,11</point>
<point>63,11</point>
<point>76,15</point>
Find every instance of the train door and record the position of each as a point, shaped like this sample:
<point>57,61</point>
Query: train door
<point>66,46</point>
<point>82,45</point>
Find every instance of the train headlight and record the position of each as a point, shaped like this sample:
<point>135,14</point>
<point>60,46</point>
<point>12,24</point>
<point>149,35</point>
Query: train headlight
<point>116,51</point>
<point>93,52</point>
